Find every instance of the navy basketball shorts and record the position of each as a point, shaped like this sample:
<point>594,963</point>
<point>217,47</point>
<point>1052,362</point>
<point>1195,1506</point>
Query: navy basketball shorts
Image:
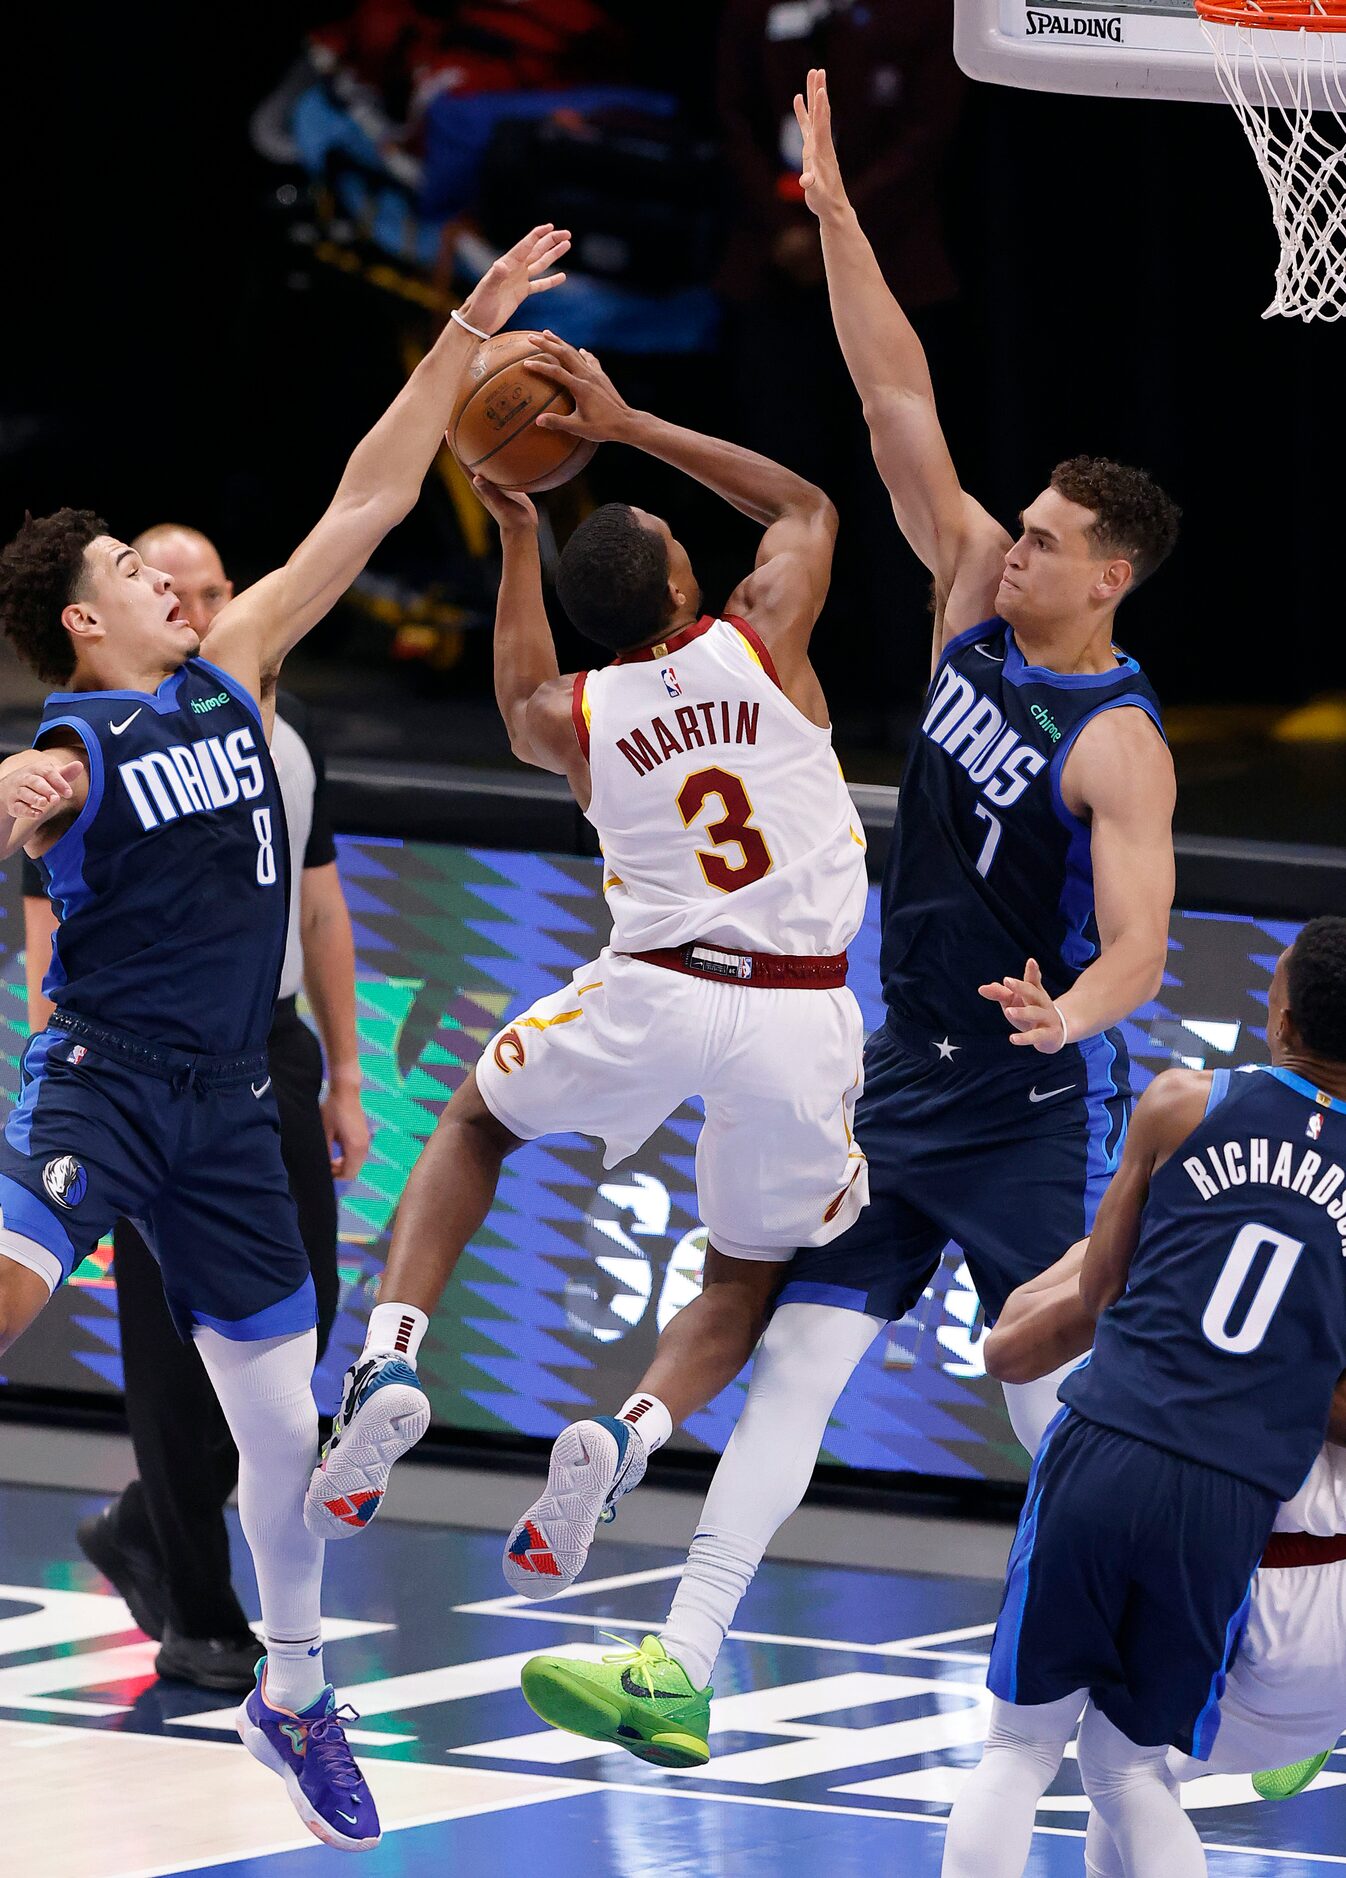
<point>1000,1150</point>
<point>187,1148</point>
<point>1130,1577</point>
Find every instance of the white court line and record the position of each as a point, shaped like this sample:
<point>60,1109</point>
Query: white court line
<point>532,1614</point>
<point>557,1789</point>
<point>919,1819</point>
<point>508,1606</point>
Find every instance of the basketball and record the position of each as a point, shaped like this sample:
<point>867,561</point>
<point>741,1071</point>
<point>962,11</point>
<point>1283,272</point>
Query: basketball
<point>493,432</point>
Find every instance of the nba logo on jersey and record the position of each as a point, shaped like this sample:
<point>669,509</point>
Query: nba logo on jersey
<point>1315,1127</point>
<point>670,678</point>
<point>78,1054</point>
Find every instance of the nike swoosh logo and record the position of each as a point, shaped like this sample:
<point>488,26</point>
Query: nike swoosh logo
<point>259,1093</point>
<point>316,1651</point>
<point>350,1818</point>
<point>996,658</point>
<point>117,729</point>
<point>1045,1095</point>
<point>638,1689</point>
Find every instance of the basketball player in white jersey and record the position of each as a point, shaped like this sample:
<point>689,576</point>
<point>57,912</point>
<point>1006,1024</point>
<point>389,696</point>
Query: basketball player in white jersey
<point>734,870</point>
<point>1284,1704</point>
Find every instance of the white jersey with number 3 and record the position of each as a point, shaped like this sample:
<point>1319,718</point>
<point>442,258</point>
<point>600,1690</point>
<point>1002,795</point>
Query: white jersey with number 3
<point>721,809</point>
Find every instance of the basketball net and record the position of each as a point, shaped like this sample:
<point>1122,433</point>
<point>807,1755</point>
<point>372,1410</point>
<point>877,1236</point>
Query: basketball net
<point>1283,68</point>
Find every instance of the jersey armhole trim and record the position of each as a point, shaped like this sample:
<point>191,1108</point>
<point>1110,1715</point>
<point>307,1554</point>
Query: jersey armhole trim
<point>1219,1089</point>
<point>580,715</point>
<point>757,646</point>
<point>238,692</point>
<point>1138,701</point>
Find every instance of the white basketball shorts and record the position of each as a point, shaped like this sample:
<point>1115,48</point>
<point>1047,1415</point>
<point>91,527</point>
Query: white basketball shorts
<point>626,1043</point>
<point>1285,1699</point>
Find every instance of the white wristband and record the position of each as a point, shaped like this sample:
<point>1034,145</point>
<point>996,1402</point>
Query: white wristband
<point>475,331</point>
<point>1065,1027</point>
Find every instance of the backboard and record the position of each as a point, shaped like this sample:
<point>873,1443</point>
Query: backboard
<point>1126,49</point>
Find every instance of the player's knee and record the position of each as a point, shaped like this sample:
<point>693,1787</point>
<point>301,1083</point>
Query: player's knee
<point>468,1111</point>
<point>22,1295</point>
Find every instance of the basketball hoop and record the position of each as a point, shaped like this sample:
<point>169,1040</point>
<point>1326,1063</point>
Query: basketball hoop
<point>1283,68</point>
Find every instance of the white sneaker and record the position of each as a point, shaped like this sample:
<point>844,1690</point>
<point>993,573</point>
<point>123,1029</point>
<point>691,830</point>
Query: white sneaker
<point>384,1411</point>
<point>592,1465</point>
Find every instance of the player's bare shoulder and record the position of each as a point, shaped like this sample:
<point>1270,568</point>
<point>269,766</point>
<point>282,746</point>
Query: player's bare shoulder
<point>1119,756</point>
<point>1169,1109</point>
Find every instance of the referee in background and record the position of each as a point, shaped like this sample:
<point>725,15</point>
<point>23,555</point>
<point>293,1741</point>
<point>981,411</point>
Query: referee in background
<point>163,1543</point>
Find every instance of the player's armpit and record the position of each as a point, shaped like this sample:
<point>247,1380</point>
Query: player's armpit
<point>1336,1421</point>
<point>547,737</point>
<point>1167,1112</point>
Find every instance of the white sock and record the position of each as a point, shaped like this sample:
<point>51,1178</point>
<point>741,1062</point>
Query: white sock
<point>395,1330</point>
<point>720,1567</point>
<point>265,1390</point>
<point>990,1831</point>
<point>1137,1800</point>
<point>650,1419</point>
<point>803,1363</point>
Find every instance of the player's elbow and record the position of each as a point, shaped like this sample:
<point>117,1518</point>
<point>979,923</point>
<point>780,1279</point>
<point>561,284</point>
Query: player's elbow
<point>1008,1357</point>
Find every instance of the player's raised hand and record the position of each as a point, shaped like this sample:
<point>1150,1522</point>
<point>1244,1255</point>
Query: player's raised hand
<point>1034,1019</point>
<point>36,784</point>
<point>509,280</point>
<point>601,412</point>
<point>820,173</point>
<point>513,510</point>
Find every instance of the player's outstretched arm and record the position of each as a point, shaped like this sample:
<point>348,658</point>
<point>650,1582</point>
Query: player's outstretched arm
<point>534,699</point>
<point>784,594</point>
<point>961,544</point>
<point>1165,1115</point>
<point>1043,1324</point>
<point>252,635</point>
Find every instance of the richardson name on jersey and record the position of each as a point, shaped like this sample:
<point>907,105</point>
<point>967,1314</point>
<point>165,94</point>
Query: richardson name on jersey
<point>1264,1163</point>
<point>690,727</point>
<point>192,778</point>
<point>972,730</point>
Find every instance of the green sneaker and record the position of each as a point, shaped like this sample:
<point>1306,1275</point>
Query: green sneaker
<point>640,1700</point>
<point>1283,1783</point>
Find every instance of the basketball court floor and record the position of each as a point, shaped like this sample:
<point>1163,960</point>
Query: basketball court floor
<point>850,1704</point>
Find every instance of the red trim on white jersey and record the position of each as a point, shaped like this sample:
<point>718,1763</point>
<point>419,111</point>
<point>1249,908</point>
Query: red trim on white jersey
<point>758,645</point>
<point>577,712</point>
<point>666,647</point>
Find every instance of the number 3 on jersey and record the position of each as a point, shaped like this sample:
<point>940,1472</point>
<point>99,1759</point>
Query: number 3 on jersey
<point>734,828</point>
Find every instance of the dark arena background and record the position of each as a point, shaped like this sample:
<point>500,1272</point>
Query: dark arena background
<point>229,240</point>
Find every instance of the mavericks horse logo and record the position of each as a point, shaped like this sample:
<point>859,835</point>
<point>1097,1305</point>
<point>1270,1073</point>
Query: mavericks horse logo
<point>65,1180</point>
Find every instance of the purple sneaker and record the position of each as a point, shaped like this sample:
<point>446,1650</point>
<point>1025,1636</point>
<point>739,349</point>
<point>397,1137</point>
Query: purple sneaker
<point>309,1752</point>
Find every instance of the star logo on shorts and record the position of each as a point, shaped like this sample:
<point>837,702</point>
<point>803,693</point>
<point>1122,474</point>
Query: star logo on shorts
<point>946,1049</point>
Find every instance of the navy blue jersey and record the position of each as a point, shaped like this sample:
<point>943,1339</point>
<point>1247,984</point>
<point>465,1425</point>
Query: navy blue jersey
<point>1230,1338</point>
<point>171,886</point>
<point>988,867</point>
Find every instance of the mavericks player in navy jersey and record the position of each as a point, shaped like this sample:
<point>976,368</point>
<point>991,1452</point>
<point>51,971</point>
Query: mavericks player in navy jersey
<point>1216,1272</point>
<point>151,804</point>
<point>1025,914</point>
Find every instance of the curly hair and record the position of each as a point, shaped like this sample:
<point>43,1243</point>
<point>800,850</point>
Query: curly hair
<point>1316,986</point>
<point>41,571</point>
<point>1135,517</point>
<point>613,578</point>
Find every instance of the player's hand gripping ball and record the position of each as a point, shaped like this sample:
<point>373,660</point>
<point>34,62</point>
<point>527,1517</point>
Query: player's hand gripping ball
<point>494,431</point>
